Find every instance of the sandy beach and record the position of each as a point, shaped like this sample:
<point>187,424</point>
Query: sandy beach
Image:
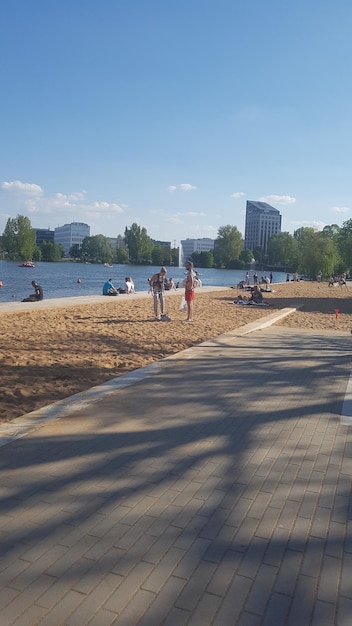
<point>47,355</point>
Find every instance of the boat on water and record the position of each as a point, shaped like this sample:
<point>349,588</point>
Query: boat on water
<point>27,264</point>
<point>107,265</point>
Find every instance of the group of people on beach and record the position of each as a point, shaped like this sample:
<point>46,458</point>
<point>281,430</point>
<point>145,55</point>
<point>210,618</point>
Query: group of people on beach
<point>335,281</point>
<point>157,286</point>
<point>110,290</point>
<point>255,297</point>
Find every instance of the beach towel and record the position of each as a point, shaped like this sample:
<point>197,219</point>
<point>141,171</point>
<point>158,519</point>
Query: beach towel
<point>251,303</point>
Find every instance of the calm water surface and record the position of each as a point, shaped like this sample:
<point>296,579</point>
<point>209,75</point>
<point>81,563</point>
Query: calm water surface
<point>59,280</point>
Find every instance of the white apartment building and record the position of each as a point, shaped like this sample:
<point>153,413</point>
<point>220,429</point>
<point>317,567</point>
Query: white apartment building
<point>71,234</point>
<point>188,246</point>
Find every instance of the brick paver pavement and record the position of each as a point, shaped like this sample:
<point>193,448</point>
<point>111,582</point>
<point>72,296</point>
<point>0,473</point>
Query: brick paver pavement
<point>216,491</point>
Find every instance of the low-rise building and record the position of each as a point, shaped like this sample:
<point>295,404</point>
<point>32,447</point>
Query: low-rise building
<point>71,234</point>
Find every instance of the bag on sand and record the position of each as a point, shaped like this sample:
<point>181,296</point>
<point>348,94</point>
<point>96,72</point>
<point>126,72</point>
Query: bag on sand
<point>183,305</point>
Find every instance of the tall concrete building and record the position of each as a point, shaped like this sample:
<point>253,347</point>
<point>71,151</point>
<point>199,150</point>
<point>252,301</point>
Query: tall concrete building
<point>262,222</point>
<point>71,234</point>
<point>188,246</point>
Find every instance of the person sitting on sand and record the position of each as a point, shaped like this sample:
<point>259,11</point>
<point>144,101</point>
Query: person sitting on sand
<point>37,295</point>
<point>129,285</point>
<point>109,289</point>
<point>169,284</point>
<point>241,300</point>
<point>256,296</point>
<point>342,280</point>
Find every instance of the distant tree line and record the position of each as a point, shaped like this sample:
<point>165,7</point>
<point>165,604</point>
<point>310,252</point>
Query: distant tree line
<point>307,251</point>
<point>18,243</point>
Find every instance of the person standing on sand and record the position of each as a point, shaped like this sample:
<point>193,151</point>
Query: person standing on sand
<point>189,285</point>
<point>157,286</point>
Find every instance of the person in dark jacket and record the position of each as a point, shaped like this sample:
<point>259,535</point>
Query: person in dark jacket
<point>37,295</point>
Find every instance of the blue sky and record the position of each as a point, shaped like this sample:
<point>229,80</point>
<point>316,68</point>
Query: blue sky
<point>173,113</point>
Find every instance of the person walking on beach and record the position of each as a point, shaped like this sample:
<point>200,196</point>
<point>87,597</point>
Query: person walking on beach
<point>157,286</point>
<point>189,285</point>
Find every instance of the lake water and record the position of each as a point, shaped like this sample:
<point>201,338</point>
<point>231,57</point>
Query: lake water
<point>59,280</point>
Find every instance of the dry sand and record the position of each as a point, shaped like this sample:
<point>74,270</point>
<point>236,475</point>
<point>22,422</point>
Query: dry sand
<point>47,355</point>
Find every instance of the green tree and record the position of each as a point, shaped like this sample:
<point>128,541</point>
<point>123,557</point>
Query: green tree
<point>228,246</point>
<point>283,249</point>
<point>97,249</point>
<point>167,257</point>
<point>139,244</point>
<point>9,240</point>
<point>158,255</point>
<point>19,238</point>
<point>316,252</point>
<point>37,254</point>
<point>51,251</point>
<point>26,237</point>
<point>75,251</point>
<point>121,256</point>
<point>331,231</point>
<point>344,242</point>
<point>175,254</point>
<point>258,254</point>
<point>246,256</point>
<point>203,259</point>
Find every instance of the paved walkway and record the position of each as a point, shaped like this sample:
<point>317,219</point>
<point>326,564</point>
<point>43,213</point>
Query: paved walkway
<point>215,490</point>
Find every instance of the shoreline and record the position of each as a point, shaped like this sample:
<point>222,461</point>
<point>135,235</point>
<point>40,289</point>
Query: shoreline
<point>51,350</point>
<point>11,306</point>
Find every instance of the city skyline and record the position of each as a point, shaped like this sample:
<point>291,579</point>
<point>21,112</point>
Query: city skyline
<point>173,116</point>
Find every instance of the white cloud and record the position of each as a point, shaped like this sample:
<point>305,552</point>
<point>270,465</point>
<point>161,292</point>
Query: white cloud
<point>308,224</point>
<point>187,187</point>
<point>340,209</point>
<point>16,185</point>
<point>63,200</point>
<point>107,206</point>
<point>195,214</point>
<point>183,186</point>
<point>206,231</point>
<point>237,194</point>
<point>32,206</point>
<point>174,219</point>
<point>278,199</point>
